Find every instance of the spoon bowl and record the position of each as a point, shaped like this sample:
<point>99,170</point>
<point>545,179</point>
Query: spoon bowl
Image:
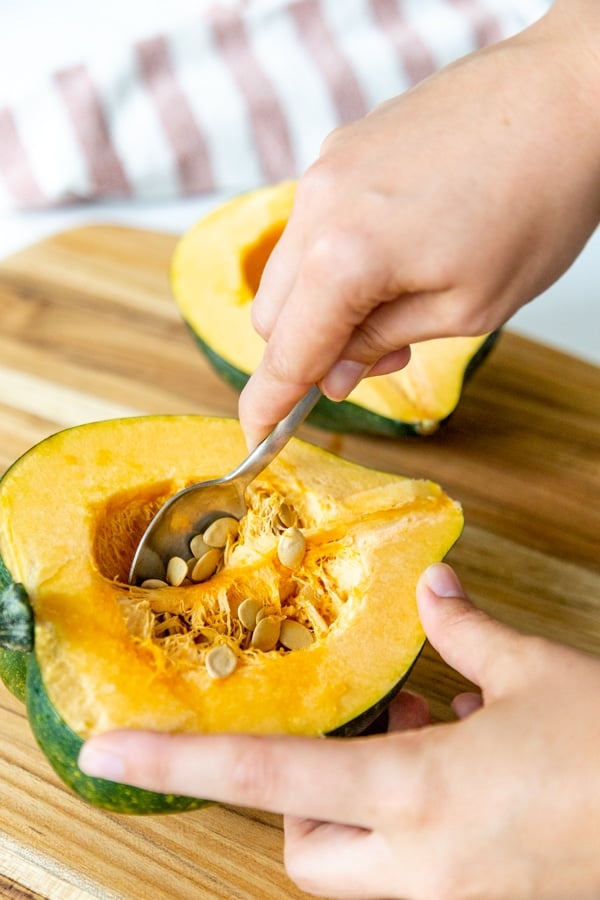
<point>193,509</point>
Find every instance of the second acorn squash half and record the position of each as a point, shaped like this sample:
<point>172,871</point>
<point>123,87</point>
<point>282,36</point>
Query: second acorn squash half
<point>216,270</point>
<point>89,652</point>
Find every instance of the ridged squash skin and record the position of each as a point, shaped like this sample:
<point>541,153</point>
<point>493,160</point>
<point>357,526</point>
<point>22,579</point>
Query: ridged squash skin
<point>215,273</point>
<point>85,650</point>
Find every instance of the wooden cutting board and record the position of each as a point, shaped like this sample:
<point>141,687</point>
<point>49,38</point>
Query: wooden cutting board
<point>88,330</point>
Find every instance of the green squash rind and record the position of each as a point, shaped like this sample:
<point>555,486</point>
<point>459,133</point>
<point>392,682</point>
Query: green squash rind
<point>61,746</point>
<point>13,663</point>
<point>16,619</point>
<point>5,577</point>
<point>13,672</point>
<point>21,674</point>
<point>346,417</point>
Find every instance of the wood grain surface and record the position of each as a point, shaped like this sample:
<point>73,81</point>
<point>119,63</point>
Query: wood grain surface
<point>88,330</point>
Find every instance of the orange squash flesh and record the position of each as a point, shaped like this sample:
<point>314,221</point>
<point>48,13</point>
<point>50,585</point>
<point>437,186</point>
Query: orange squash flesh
<point>74,508</point>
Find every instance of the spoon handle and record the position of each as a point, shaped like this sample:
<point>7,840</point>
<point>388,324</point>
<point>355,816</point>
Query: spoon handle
<point>270,446</point>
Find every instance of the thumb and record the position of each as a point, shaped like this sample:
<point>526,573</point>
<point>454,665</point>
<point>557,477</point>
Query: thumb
<point>467,638</point>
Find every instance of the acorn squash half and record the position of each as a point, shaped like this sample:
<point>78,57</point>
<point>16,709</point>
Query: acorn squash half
<point>215,273</point>
<point>90,652</point>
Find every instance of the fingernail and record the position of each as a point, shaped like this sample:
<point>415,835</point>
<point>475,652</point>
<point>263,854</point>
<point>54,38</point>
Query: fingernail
<point>101,763</point>
<point>343,378</point>
<point>442,580</point>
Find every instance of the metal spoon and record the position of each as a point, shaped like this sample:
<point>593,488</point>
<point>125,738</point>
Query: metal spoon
<point>192,509</point>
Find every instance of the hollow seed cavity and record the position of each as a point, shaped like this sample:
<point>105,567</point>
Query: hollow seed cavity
<point>266,628</point>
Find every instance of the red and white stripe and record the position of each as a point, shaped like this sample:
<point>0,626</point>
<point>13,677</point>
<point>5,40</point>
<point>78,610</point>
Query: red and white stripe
<point>241,96</point>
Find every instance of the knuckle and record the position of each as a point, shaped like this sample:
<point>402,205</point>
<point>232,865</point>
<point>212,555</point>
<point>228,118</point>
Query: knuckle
<point>464,313</point>
<point>253,773</point>
<point>423,793</point>
<point>340,255</point>
<point>475,319</point>
<point>280,366</point>
<point>373,341</point>
<point>337,244</point>
<point>451,318</point>
<point>332,140</point>
<point>154,768</point>
<point>318,184</point>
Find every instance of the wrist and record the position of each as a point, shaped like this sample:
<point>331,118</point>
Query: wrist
<point>566,42</point>
<point>570,32</point>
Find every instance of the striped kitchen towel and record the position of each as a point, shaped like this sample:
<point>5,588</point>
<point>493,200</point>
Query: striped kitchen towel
<point>239,97</point>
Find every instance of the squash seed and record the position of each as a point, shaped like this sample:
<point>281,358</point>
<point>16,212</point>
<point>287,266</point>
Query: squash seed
<point>220,661</point>
<point>294,635</point>
<point>266,633</point>
<point>197,546</point>
<point>248,611</point>
<point>206,565</point>
<point>291,548</point>
<point>265,611</point>
<point>218,532</point>
<point>152,584</point>
<point>176,570</point>
<point>287,515</point>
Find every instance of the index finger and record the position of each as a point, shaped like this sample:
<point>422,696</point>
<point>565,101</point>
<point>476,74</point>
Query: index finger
<point>333,780</point>
<point>335,289</point>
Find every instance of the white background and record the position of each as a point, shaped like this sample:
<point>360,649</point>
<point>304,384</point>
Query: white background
<point>37,36</point>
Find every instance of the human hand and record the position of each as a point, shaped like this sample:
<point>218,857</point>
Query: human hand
<point>501,803</point>
<point>439,214</point>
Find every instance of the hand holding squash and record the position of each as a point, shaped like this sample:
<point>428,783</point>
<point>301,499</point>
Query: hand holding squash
<point>439,214</point>
<point>499,804</point>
